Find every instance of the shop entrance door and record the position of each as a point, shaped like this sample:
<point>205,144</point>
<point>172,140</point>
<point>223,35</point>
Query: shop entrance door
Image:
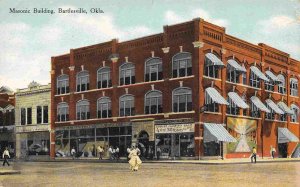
<point>282,148</point>
<point>143,143</point>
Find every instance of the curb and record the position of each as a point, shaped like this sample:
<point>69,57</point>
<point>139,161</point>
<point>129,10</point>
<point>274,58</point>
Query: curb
<point>9,172</point>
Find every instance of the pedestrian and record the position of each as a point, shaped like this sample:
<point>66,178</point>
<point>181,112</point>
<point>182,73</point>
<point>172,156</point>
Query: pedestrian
<point>100,151</point>
<point>73,153</point>
<point>5,156</point>
<point>117,151</point>
<point>128,151</point>
<point>135,160</point>
<point>111,153</point>
<point>158,152</point>
<point>273,151</point>
<point>253,155</point>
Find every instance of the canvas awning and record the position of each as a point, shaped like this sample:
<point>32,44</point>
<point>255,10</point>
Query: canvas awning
<point>214,60</point>
<point>216,96</point>
<point>274,107</point>
<point>216,132</point>
<point>284,136</point>
<point>258,73</point>
<point>272,76</point>
<point>285,108</point>
<point>255,100</point>
<point>234,64</point>
<point>237,100</point>
<point>294,80</point>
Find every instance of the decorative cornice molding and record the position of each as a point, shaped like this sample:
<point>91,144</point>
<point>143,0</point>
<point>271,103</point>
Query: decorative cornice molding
<point>198,44</point>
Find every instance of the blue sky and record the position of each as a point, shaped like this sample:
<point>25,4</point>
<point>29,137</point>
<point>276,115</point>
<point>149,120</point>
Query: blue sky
<point>29,40</point>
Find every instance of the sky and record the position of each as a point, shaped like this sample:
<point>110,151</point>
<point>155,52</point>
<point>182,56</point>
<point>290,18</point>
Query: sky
<point>29,40</point>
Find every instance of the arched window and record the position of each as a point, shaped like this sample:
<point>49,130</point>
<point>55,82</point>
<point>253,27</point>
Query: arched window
<point>104,107</point>
<point>212,64</point>
<point>182,64</point>
<point>83,110</point>
<point>83,81</point>
<point>294,87</point>
<point>63,112</point>
<point>295,116</point>
<point>254,80</point>
<point>182,100</point>
<point>281,85</point>
<point>127,73</point>
<point>153,102</point>
<point>269,85</point>
<point>153,70</point>
<point>103,77</point>
<point>127,105</point>
<point>62,84</point>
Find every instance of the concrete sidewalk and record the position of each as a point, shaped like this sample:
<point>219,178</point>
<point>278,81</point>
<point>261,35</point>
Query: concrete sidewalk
<point>214,162</point>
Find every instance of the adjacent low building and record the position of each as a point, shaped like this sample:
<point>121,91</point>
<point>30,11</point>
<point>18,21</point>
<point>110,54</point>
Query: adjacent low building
<point>193,91</point>
<point>33,121</point>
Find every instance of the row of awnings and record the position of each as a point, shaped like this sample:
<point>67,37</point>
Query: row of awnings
<point>280,108</point>
<point>213,60</point>
<point>217,133</point>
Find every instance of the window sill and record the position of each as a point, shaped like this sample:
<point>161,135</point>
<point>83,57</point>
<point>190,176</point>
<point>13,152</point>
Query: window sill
<point>275,120</point>
<point>294,123</point>
<point>177,78</point>
<point>215,113</point>
<point>240,116</point>
<point>294,96</point>
<point>211,78</point>
<point>139,83</point>
<point>62,95</point>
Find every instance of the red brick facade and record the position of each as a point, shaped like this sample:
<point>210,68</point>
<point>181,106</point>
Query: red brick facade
<point>197,37</point>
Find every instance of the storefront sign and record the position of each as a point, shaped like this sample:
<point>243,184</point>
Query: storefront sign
<point>103,125</point>
<point>174,121</point>
<point>176,128</point>
<point>33,128</point>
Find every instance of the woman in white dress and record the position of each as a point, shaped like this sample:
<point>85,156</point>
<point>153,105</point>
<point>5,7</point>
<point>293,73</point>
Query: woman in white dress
<point>135,160</point>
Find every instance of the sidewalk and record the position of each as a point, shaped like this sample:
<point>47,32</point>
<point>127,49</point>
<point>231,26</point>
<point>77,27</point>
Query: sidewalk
<point>212,162</point>
<point>8,170</point>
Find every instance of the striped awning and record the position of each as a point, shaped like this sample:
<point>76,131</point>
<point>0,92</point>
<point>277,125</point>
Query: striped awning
<point>214,60</point>
<point>294,80</point>
<point>285,108</point>
<point>272,76</point>
<point>234,64</point>
<point>258,73</point>
<point>274,107</point>
<point>255,100</point>
<point>215,96</point>
<point>284,136</point>
<point>216,132</point>
<point>237,100</point>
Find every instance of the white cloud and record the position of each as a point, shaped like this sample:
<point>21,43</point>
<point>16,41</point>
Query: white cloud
<point>171,17</point>
<point>277,23</point>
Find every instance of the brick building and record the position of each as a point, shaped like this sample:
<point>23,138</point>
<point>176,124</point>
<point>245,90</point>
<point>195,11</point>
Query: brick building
<point>191,90</point>
<point>33,121</point>
<point>7,119</point>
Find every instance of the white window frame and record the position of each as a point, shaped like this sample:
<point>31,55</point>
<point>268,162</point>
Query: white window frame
<point>80,77</point>
<point>123,101</point>
<point>182,59</point>
<point>103,101</point>
<point>155,95</point>
<point>156,63</point>
<point>188,92</point>
<point>62,109</point>
<point>83,106</point>
<point>62,81</point>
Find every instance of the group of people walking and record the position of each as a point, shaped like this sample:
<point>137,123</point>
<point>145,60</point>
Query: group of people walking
<point>253,155</point>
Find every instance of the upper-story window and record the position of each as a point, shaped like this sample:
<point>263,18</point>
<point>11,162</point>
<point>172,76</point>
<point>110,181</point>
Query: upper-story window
<point>295,115</point>
<point>62,84</point>
<point>212,64</point>
<point>254,111</point>
<point>294,87</point>
<point>153,102</point>
<point>281,85</point>
<point>182,64</point>
<point>7,116</point>
<point>103,78</point>
<point>127,73</point>
<point>83,81</point>
<point>127,105</point>
<point>269,85</point>
<point>254,80</point>
<point>182,100</point>
<point>234,70</point>
<point>232,108</point>
<point>83,110</point>
<point>257,106</point>
<point>62,112</point>
<point>41,114</point>
<point>104,107</point>
<point>153,70</point>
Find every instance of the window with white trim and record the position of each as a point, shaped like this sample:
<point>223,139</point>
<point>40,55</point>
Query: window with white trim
<point>281,85</point>
<point>153,102</point>
<point>254,112</point>
<point>182,100</point>
<point>210,70</point>
<point>103,78</point>
<point>83,81</point>
<point>232,74</point>
<point>294,87</point>
<point>270,115</point>
<point>182,64</point>
<point>83,110</point>
<point>269,85</point>
<point>254,80</point>
<point>127,73</point>
<point>232,108</point>
<point>127,105</point>
<point>104,107</point>
<point>295,115</point>
<point>63,112</point>
<point>153,70</point>
<point>62,86</point>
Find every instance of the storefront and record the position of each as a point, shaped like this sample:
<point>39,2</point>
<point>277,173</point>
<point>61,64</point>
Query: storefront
<point>175,138</point>
<point>7,139</point>
<point>284,137</point>
<point>86,139</point>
